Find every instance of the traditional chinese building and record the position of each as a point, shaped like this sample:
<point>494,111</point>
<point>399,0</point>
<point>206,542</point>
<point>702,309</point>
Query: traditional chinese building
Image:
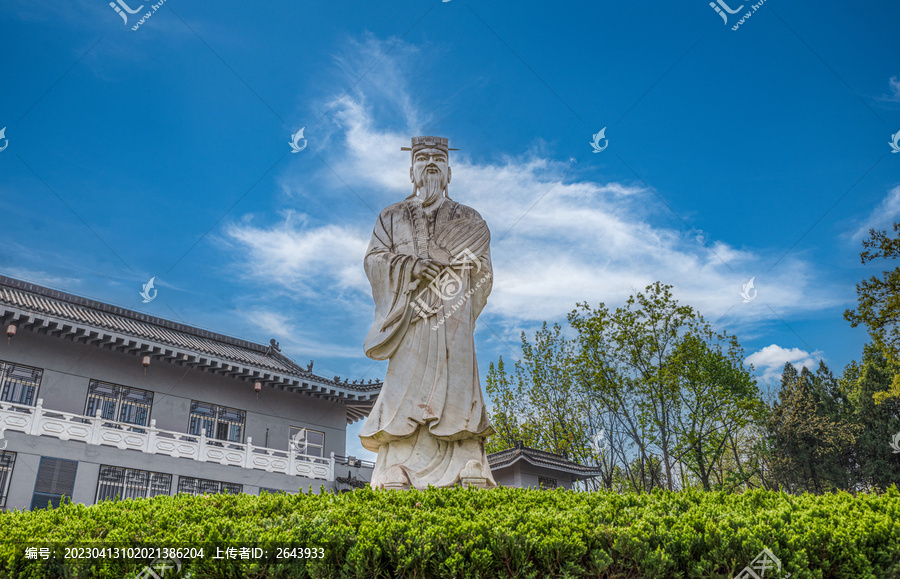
<point>97,401</point>
<point>525,467</point>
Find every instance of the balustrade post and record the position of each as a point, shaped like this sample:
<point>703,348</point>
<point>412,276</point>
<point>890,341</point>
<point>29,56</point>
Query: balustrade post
<point>151,437</point>
<point>292,459</point>
<point>201,448</point>
<point>36,417</point>
<point>248,453</point>
<point>331,468</point>
<point>95,428</point>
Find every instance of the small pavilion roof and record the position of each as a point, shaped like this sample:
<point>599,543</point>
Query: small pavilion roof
<point>541,458</point>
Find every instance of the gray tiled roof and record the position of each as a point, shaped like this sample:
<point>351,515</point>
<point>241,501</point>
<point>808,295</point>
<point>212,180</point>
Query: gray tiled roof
<point>541,458</point>
<point>175,339</point>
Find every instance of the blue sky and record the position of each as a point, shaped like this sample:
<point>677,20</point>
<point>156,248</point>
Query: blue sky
<point>163,151</point>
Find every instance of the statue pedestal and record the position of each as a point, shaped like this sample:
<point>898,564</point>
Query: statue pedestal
<point>474,481</point>
<point>473,475</point>
<point>395,487</point>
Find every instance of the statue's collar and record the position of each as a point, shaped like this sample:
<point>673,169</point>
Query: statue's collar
<point>415,204</point>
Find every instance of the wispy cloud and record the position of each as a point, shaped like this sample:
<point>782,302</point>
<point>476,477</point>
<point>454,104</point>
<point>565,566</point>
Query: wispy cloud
<point>558,238</point>
<point>882,217</point>
<point>299,255</point>
<point>53,280</point>
<point>294,338</point>
<point>893,94</point>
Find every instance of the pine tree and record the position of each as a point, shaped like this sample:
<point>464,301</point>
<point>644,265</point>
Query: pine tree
<point>875,465</point>
<point>809,435</point>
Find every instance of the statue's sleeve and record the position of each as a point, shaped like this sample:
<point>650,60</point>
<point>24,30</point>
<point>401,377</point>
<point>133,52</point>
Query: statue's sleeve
<point>470,238</point>
<point>390,275</point>
<point>482,281</point>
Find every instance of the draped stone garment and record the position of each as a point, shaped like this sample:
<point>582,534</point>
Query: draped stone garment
<point>429,420</point>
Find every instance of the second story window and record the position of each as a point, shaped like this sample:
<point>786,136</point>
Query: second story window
<point>119,403</point>
<point>220,422</point>
<point>306,441</point>
<point>20,383</point>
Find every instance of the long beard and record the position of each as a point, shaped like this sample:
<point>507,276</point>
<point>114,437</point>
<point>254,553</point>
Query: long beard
<point>434,187</point>
<point>431,184</point>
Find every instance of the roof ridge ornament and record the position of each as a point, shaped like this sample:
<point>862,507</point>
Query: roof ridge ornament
<point>273,347</point>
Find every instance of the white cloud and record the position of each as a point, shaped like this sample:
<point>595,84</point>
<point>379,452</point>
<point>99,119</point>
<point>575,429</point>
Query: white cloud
<point>557,239</point>
<point>882,217</point>
<point>299,256</point>
<point>294,340</point>
<point>894,96</point>
<point>769,362</point>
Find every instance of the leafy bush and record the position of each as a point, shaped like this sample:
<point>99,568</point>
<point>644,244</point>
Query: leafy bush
<point>470,533</point>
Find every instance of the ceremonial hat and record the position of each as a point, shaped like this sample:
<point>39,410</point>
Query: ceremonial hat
<point>419,143</point>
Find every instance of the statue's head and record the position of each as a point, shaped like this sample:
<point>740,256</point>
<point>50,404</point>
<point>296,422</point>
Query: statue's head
<point>430,170</point>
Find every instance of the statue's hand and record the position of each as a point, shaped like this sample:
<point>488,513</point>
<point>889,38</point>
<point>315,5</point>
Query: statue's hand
<point>425,270</point>
<point>439,254</point>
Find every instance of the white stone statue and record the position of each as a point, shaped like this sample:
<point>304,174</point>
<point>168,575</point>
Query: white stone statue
<point>429,264</point>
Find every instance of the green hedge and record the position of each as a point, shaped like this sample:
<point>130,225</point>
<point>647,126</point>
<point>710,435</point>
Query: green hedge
<point>474,533</point>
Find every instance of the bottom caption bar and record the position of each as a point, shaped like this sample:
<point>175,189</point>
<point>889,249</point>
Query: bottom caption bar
<point>154,562</point>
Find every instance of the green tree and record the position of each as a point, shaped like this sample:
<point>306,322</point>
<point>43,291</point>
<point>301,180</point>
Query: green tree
<point>538,404</point>
<point>648,392</point>
<point>542,405</point>
<point>718,399</point>
<point>625,359</point>
<point>878,303</point>
<point>675,388</point>
<point>875,465</point>
<point>809,436</point>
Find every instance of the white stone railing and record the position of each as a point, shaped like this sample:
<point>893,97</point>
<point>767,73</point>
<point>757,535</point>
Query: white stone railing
<point>39,421</point>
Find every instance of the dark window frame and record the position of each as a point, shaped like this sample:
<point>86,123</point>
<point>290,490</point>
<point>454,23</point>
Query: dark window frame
<point>546,482</point>
<point>219,421</point>
<point>123,483</point>
<point>115,403</point>
<point>19,391</point>
<point>7,465</point>
<point>197,486</point>
<point>314,445</point>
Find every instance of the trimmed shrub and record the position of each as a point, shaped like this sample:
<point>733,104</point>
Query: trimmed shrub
<point>467,533</point>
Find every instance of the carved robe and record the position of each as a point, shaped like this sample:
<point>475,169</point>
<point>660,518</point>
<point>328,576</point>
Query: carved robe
<point>429,421</point>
